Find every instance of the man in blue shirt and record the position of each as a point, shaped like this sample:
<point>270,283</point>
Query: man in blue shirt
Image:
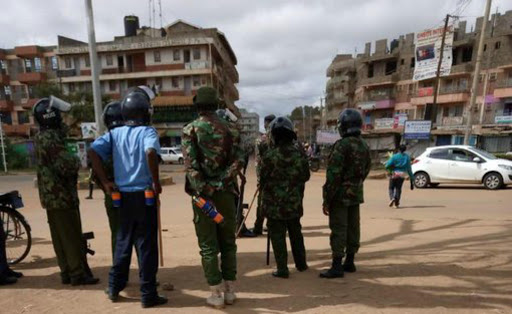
<point>399,165</point>
<point>135,149</point>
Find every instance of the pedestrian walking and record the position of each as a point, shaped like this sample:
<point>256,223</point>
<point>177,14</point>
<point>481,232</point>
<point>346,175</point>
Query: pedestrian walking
<point>399,167</point>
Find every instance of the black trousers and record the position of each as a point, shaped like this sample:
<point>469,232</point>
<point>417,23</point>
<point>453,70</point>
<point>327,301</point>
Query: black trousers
<point>137,227</point>
<point>3,255</point>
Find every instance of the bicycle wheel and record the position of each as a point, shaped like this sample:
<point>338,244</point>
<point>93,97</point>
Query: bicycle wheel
<point>18,239</point>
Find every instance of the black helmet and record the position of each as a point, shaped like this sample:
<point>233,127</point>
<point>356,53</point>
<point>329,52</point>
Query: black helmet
<point>136,109</point>
<point>148,92</point>
<point>281,129</point>
<point>350,122</point>
<point>268,119</point>
<point>47,112</point>
<point>112,116</point>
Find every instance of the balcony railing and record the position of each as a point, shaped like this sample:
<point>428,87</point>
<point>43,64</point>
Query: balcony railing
<point>452,121</point>
<point>506,83</point>
<point>453,90</point>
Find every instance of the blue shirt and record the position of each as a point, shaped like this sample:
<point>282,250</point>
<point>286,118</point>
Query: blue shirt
<point>400,162</point>
<point>128,146</point>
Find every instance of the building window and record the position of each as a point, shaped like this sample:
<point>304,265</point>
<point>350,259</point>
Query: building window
<point>467,54</point>
<point>112,85</point>
<point>402,61</point>
<point>412,62</point>
<point>497,45</point>
<point>67,63</point>
<point>176,55</point>
<point>6,117</point>
<point>55,64</point>
<point>481,78</point>
<point>23,117</point>
<point>37,64</point>
<point>485,47</point>
<point>71,87</point>
<point>175,82</point>
<point>196,53</point>
<point>7,90</point>
<point>28,65</point>
<point>197,80</point>
<point>156,56</point>
<point>110,60</point>
<point>370,70</point>
<point>3,67</point>
<point>493,77</point>
<point>458,111</point>
<point>87,62</point>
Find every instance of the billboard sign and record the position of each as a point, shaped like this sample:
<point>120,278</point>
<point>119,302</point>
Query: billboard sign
<point>327,136</point>
<point>427,52</point>
<point>417,130</point>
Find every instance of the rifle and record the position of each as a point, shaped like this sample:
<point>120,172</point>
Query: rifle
<point>88,236</point>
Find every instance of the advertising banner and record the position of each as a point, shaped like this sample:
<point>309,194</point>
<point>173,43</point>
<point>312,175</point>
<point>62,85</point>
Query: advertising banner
<point>399,120</point>
<point>417,130</point>
<point>327,136</point>
<point>427,52</point>
<point>384,123</point>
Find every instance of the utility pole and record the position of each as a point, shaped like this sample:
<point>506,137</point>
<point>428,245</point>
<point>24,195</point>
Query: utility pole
<point>438,72</point>
<point>2,143</point>
<point>95,75</point>
<point>476,75</point>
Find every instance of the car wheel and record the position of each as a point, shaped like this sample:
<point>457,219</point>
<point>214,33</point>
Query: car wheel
<point>421,180</point>
<point>434,185</point>
<point>180,161</point>
<point>493,181</point>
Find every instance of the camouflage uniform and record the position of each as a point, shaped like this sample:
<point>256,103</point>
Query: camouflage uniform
<point>213,159</point>
<point>263,145</point>
<point>57,174</point>
<point>284,172</point>
<point>348,167</point>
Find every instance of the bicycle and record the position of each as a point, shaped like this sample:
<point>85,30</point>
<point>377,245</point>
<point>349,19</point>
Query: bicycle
<point>18,238</point>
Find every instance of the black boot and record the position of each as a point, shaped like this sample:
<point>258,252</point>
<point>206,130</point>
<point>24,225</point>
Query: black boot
<point>12,273</point>
<point>336,270</point>
<point>349,265</point>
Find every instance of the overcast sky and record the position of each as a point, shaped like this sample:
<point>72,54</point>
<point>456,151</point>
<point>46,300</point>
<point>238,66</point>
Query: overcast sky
<point>283,46</point>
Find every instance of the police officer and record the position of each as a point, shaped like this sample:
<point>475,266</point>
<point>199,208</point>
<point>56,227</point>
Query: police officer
<point>262,145</point>
<point>57,175</point>
<point>134,148</point>
<point>284,172</point>
<point>214,159</point>
<point>112,118</point>
<point>348,167</point>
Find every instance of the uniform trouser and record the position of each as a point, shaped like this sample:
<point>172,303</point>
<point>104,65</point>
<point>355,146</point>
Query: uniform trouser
<point>277,231</point>
<point>3,255</point>
<point>345,230</point>
<point>216,238</point>
<point>137,226</point>
<point>395,189</point>
<point>260,218</point>
<point>113,221</point>
<point>66,233</point>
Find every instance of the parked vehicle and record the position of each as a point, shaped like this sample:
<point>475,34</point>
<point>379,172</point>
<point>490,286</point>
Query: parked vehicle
<point>462,165</point>
<point>18,239</point>
<point>171,155</point>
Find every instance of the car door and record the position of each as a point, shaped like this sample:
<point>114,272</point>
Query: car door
<point>165,154</point>
<point>173,157</point>
<point>438,164</point>
<point>462,166</point>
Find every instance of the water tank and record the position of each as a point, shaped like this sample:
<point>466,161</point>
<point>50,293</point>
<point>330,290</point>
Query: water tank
<point>131,24</point>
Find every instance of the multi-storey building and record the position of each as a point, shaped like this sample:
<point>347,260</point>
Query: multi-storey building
<point>380,85</point>
<point>175,61</point>
<point>249,123</point>
<point>22,68</point>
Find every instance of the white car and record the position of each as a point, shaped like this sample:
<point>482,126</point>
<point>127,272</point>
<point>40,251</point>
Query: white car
<point>171,155</point>
<point>461,164</point>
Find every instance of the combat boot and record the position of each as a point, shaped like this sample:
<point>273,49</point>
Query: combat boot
<point>336,270</point>
<point>349,265</point>
<point>216,300</point>
<point>229,292</point>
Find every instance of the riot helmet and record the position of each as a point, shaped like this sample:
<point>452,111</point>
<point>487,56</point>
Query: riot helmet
<point>112,115</point>
<point>268,119</point>
<point>350,123</point>
<point>47,112</point>
<point>282,131</point>
<point>136,108</point>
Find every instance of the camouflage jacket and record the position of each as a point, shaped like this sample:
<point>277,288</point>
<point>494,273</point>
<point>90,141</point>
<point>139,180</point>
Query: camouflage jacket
<point>57,171</point>
<point>263,144</point>
<point>348,167</point>
<point>213,155</point>
<point>284,172</point>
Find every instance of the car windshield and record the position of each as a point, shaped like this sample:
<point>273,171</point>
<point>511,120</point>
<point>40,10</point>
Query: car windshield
<point>484,153</point>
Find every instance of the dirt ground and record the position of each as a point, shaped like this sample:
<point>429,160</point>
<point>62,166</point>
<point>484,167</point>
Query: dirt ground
<point>447,250</point>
